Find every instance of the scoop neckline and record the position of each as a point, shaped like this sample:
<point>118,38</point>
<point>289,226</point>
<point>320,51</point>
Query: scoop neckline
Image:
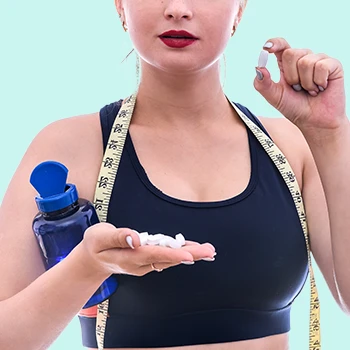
<point>142,174</point>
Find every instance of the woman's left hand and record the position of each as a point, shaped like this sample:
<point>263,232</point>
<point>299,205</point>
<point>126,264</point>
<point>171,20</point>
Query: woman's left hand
<point>320,102</point>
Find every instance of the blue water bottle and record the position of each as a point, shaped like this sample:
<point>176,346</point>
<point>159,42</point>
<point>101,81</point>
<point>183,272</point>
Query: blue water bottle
<point>62,220</point>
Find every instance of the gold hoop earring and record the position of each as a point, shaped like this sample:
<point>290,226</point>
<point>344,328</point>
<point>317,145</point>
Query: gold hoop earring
<point>233,31</point>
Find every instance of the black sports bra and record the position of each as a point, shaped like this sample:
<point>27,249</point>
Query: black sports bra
<point>260,267</point>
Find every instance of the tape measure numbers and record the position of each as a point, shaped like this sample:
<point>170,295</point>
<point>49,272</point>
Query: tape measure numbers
<point>108,173</point>
<point>104,187</point>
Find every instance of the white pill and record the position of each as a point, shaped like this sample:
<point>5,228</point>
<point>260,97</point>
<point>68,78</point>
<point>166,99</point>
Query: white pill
<point>180,238</point>
<point>143,238</point>
<point>163,242</point>
<point>173,243</point>
<point>154,239</point>
<point>263,58</point>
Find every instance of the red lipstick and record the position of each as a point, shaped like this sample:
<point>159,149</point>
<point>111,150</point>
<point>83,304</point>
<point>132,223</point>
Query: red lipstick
<point>177,38</point>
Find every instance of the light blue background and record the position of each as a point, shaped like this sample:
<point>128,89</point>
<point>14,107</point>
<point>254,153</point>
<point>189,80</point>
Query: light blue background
<point>62,58</point>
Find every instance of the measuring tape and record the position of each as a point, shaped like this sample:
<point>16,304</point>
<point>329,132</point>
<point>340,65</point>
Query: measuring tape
<point>104,187</point>
<point>289,178</point>
<point>108,173</point>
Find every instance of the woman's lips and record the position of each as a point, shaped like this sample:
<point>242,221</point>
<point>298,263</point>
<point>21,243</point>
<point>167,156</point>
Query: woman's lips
<point>177,43</point>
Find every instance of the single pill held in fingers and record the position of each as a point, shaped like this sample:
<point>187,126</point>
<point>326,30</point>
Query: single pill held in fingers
<point>320,88</point>
<point>263,58</point>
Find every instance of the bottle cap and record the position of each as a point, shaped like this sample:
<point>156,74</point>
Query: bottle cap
<point>50,180</point>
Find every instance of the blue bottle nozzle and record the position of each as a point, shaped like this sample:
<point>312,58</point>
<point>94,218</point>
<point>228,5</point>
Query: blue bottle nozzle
<point>50,180</point>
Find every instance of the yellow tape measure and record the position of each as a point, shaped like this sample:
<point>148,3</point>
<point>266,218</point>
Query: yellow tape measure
<point>104,187</point>
<point>289,177</point>
<point>108,173</point>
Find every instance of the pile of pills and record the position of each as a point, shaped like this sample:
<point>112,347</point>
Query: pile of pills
<point>162,240</point>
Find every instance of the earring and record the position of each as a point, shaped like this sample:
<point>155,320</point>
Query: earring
<point>233,30</point>
<point>125,27</point>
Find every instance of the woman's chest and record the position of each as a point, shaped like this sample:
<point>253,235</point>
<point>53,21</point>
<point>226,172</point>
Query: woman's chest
<point>199,168</point>
<point>261,257</point>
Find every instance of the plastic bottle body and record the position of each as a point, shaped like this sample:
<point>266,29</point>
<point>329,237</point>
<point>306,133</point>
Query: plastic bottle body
<point>58,233</point>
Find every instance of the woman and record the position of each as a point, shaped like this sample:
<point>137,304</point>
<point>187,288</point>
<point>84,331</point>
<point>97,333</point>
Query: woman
<point>189,165</point>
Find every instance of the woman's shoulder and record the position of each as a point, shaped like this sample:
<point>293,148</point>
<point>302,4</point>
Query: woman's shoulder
<point>284,133</point>
<point>72,135</point>
<point>75,142</point>
<point>71,126</point>
<point>290,140</point>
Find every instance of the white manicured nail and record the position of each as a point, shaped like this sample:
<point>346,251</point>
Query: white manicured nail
<point>187,262</point>
<point>259,75</point>
<point>297,87</point>
<point>129,241</point>
<point>263,58</point>
<point>268,45</point>
<point>208,259</point>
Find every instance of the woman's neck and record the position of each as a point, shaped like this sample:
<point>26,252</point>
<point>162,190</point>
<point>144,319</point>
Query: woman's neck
<point>195,98</point>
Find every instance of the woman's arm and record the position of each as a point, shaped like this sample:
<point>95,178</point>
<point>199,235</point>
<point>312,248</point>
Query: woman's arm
<point>34,310</point>
<point>327,186</point>
<point>326,247</point>
<point>33,318</point>
<point>311,95</point>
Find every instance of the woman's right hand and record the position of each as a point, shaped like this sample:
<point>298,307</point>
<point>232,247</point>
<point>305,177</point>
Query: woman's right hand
<point>108,250</point>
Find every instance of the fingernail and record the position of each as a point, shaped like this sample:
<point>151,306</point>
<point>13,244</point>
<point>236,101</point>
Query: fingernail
<point>187,262</point>
<point>268,45</point>
<point>259,75</point>
<point>313,93</point>
<point>208,259</point>
<point>129,241</point>
<point>297,87</point>
<point>321,88</point>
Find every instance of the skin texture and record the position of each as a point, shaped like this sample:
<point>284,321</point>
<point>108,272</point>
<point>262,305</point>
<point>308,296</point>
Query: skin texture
<point>172,110</point>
